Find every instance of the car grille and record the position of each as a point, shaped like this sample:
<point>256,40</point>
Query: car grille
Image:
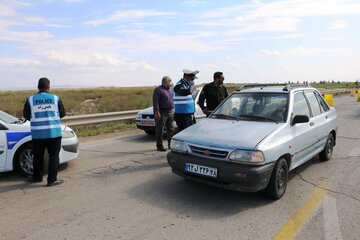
<point>208,152</point>
<point>148,116</point>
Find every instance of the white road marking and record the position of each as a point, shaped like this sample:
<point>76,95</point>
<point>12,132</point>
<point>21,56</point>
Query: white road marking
<point>331,220</point>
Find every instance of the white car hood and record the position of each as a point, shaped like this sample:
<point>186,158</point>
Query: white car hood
<point>147,111</point>
<point>227,134</point>
<point>26,127</point>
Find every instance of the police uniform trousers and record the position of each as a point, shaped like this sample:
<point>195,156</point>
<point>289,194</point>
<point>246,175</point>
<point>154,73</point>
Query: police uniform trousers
<point>183,120</point>
<point>53,146</point>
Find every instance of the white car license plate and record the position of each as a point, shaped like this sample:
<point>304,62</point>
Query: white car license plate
<point>147,122</point>
<point>202,170</point>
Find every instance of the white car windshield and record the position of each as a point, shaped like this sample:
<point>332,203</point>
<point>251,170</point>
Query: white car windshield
<point>7,118</point>
<point>254,107</point>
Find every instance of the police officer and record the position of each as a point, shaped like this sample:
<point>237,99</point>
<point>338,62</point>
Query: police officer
<point>44,111</point>
<point>183,100</point>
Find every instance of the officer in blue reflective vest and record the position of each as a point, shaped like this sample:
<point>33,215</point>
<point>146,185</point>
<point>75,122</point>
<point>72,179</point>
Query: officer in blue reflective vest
<point>183,100</point>
<point>44,111</point>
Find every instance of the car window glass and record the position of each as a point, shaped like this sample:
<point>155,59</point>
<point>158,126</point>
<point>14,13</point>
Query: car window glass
<point>266,105</point>
<point>323,104</point>
<point>300,105</point>
<point>314,104</point>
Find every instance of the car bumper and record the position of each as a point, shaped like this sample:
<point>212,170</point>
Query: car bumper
<point>230,175</point>
<point>69,149</point>
<point>146,128</point>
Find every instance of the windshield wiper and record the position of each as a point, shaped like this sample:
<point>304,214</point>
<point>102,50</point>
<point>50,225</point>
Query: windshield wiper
<point>259,117</point>
<point>223,116</point>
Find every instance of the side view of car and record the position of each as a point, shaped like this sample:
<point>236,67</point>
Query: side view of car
<point>145,118</point>
<point>255,137</point>
<point>16,149</point>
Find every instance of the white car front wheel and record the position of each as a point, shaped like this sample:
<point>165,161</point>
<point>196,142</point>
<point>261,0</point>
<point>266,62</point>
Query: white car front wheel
<point>24,160</point>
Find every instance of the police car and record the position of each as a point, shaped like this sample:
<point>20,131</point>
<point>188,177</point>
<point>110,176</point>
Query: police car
<point>15,145</point>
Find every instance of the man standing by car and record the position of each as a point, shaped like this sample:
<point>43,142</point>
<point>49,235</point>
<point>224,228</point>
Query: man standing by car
<point>163,112</point>
<point>214,93</point>
<point>183,100</point>
<point>44,111</point>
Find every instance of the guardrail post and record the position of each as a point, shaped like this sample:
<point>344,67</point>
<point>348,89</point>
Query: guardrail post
<point>329,99</point>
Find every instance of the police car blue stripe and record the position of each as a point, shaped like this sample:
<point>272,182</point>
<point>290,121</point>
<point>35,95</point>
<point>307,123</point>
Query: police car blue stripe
<point>14,137</point>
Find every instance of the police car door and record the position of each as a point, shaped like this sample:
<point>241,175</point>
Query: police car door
<point>3,146</point>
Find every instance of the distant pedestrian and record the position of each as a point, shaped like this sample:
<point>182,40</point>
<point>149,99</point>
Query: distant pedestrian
<point>164,112</point>
<point>44,111</point>
<point>183,100</point>
<point>213,93</point>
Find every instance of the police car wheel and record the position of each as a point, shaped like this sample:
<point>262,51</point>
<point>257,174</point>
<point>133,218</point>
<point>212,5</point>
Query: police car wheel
<point>24,160</point>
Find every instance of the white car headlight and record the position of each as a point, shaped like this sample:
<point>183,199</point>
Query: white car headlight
<point>178,146</point>
<point>138,116</point>
<point>250,157</point>
<point>68,134</point>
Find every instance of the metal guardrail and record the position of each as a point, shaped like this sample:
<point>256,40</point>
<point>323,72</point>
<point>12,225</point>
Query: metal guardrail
<point>130,115</point>
<point>99,118</point>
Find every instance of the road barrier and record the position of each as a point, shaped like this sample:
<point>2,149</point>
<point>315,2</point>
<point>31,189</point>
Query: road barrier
<point>99,118</point>
<point>329,99</point>
<point>130,115</point>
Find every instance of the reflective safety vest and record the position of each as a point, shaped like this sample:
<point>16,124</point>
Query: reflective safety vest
<point>184,104</point>
<point>45,116</point>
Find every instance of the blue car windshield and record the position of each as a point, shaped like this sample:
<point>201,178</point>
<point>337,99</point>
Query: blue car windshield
<point>254,107</point>
<point>7,118</point>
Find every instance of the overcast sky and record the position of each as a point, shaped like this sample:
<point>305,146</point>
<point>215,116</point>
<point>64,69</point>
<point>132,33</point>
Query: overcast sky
<point>136,42</point>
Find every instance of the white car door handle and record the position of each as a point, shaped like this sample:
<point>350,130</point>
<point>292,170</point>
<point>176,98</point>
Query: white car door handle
<point>312,124</point>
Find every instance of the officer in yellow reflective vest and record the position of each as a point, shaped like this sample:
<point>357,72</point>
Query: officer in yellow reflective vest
<point>44,111</point>
<point>183,101</point>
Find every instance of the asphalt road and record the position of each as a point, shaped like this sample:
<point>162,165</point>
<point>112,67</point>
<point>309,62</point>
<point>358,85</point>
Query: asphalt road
<point>121,188</point>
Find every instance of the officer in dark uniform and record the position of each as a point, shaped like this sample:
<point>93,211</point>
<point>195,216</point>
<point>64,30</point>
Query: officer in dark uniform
<point>214,93</point>
<point>183,100</point>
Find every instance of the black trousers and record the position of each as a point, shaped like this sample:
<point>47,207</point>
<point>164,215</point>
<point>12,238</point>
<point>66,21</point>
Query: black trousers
<point>166,119</point>
<point>53,146</point>
<point>183,120</point>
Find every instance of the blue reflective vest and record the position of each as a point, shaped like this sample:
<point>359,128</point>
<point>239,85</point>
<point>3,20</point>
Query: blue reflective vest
<point>45,116</point>
<point>184,104</point>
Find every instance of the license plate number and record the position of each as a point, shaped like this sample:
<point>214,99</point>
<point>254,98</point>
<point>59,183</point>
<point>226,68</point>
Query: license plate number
<point>201,170</point>
<point>147,122</point>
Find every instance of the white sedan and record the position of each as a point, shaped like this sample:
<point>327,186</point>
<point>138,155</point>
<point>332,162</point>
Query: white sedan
<point>16,148</point>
